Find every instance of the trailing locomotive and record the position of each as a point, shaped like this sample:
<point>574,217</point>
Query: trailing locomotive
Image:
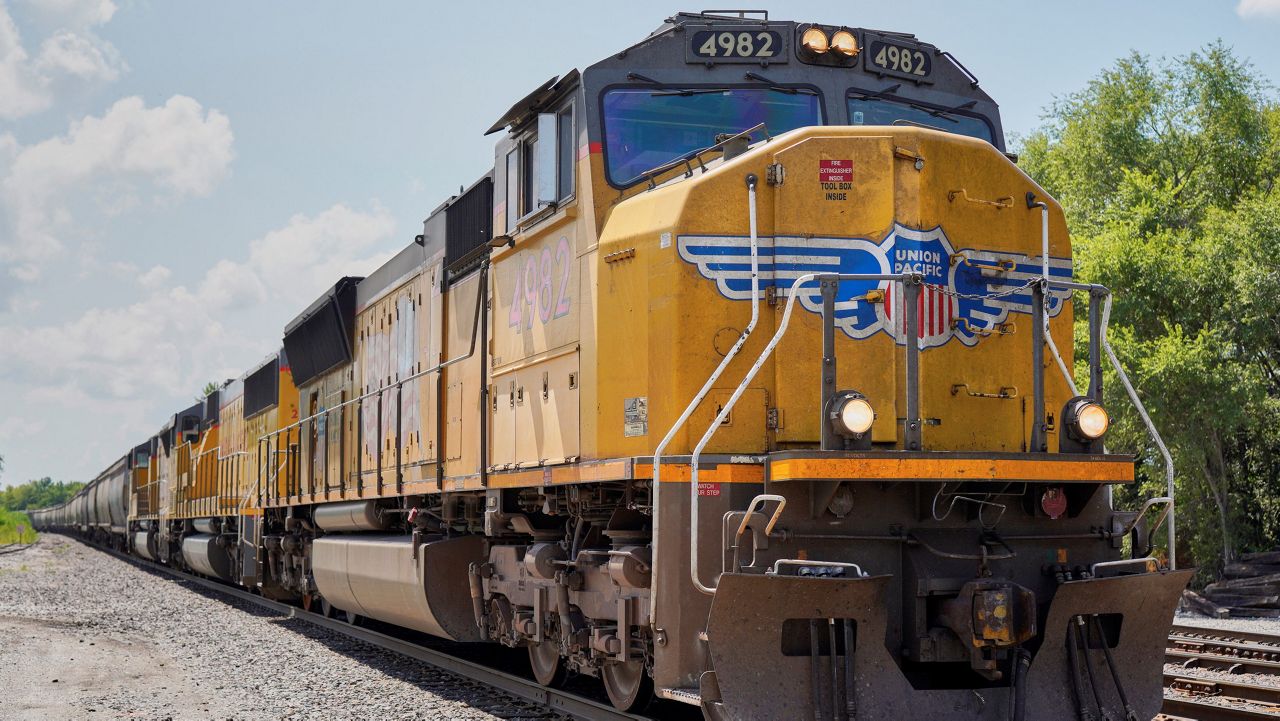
<point>745,378</point>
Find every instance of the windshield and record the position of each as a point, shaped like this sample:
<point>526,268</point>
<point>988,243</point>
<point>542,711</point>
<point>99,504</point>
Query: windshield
<point>647,127</point>
<point>876,111</point>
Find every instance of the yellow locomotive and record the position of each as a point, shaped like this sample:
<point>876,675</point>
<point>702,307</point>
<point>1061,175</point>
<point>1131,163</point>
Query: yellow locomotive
<point>745,378</point>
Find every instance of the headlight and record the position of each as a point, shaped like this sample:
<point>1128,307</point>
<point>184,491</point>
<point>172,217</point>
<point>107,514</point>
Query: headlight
<point>1092,421</point>
<point>1089,420</point>
<point>815,41</point>
<point>853,414</point>
<point>844,43</point>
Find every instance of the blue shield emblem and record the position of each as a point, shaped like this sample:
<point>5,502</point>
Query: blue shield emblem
<point>959,299</point>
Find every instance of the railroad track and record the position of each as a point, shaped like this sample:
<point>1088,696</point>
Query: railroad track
<point>1211,697</point>
<point>10,548</point>
<point>1187,697</point>
<point>560,701</point>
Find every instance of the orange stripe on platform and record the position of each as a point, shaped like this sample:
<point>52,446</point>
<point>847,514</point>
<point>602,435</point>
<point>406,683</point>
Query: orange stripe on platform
<point>953,469</point>
<point>721,473</point>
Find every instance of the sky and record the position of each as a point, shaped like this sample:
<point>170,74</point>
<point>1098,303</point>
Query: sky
<point>179,179</point>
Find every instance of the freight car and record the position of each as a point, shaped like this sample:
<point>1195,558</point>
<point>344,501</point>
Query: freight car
<point>745,378</point>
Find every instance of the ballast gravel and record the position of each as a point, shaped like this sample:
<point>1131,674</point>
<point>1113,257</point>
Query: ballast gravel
<point>84,635</point>
<point>1249,625</point>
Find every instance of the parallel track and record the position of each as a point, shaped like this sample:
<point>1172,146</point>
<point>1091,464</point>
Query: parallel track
<point>559,701</point>
<point>9,548</point>
<point>1202,697</point>
<point>1185,707</point>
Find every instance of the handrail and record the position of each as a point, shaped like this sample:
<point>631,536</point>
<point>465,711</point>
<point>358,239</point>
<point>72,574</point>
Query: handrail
<point>434,369</point>
<point>476,325</point>
<point>1151,428</point>
<point>1107,296</point>
<point>794,293</point>
<point>751,181</point>
<point>688,158</point>
<point>1044,274</point>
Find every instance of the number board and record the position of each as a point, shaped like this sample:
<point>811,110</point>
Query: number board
<point>906,61</point>
<point>741,44</point>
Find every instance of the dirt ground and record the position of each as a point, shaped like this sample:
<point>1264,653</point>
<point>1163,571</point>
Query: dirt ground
<point>52,670</point>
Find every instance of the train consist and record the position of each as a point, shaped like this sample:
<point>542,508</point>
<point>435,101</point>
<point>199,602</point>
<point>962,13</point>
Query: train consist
<point>744,378</point>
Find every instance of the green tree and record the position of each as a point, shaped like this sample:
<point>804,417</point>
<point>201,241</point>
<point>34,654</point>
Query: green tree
<point>208,388</point>
<point>1167,173</point>
<point>41,493</point>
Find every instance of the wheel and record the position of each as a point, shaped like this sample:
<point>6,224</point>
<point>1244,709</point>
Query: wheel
<point>629,686</point>
<point>351,617</point>
<point>326,609</point>
<point>544,659</point>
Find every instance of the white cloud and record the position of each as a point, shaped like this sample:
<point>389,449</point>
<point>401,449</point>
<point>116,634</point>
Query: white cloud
<point>178,149</point>
<point>162,349</point>
<point>79,57</point>
<point>297,262</point>
<point>1258,9</point>
<point>155,277</point>
<point>74,13</point>
<point>22,90</point>
<point>14,429</point>
<point>72,56</point>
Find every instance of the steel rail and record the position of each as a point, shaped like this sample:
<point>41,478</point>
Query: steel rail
<point>1199,659</point>
<point>552,699</point>
<point>1206,687</point>
<point>1202,634</point>
<point>1205,710</point>
<point>9,549</point>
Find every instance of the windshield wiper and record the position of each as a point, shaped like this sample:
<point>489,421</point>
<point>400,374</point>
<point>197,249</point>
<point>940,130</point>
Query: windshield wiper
<point>686,92</point>
<point>890,90</point>
<point>946,113</point>
<point>769,85</point>
<point>772,85</point>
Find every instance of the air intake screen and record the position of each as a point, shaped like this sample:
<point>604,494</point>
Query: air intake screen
<point>212,406</point>
<point>468,224</point>
<point>320,339</point>
<point>262,389</point>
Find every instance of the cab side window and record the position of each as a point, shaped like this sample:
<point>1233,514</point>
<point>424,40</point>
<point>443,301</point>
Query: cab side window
<point>540,167</point>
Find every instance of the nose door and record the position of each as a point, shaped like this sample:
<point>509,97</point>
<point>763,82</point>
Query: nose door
<point>831,214</point>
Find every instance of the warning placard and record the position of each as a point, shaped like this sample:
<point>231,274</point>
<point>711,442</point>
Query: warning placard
<point>835,171</point>
<point>635,417</point>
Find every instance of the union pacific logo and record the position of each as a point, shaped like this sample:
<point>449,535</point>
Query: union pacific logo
<point>962,296</point>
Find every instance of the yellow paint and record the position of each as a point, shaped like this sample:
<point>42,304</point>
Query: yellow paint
<point>667,327</point>
<point>637,321</point>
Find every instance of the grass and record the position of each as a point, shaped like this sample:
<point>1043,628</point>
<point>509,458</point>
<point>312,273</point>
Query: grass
<point>9,522</point>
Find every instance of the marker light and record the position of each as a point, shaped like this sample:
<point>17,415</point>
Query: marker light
<point>844,43</point>
<point>1091,420</point>
<point>815,41</point>
<point>855,415</point>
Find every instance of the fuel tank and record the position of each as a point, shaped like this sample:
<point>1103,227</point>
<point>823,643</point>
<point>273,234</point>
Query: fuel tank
<point>207,525</point>
<point>205,556</point>
<point>381,577</point>
<point>142,545</point>
<point>350,516</point>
